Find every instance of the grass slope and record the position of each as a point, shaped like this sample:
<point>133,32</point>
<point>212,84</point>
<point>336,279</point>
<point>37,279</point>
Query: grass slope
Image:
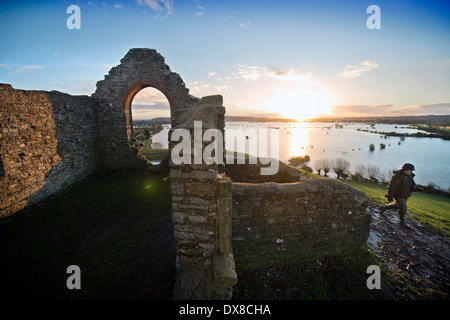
<point>106,226</point>
<point>431,209</point>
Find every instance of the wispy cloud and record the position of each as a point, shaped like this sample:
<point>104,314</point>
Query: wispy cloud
<point>362,110</point>
<point>391,110</point>
<point>161,6</point>
<point>149,96</point>
<point>244,25</point>
<point>357,70</point>
<point>118,6</point>
<point>255,72</point>
<point>201,11</point>
<point>425,109</point>
<point>151,106</point>
<point>198,88</point>
<point>21,68</point>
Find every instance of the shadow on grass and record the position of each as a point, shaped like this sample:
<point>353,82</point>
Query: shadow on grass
<point>116,227</point>
<point>330,279</point>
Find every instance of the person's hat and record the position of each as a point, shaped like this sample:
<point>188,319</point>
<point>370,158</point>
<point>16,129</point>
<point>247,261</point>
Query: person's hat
<point>408,166</point>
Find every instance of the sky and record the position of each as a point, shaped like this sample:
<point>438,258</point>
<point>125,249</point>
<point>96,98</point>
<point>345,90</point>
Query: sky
<point>294,59</point>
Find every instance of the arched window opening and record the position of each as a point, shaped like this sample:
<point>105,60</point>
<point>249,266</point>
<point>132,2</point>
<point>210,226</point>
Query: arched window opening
<point>150,113</point>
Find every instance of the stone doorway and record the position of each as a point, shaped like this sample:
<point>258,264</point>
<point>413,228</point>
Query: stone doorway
<point>150,121</point>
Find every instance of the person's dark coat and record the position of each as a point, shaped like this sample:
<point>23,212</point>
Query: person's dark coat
<point>401,185</point>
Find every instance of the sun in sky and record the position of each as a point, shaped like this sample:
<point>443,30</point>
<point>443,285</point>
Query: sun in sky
<point>301,104</point>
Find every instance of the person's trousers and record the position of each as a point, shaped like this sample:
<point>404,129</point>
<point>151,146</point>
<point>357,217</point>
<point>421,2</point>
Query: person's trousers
<point>400,204</point>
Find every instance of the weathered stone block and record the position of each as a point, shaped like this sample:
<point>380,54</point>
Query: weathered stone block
<point>201,188</point>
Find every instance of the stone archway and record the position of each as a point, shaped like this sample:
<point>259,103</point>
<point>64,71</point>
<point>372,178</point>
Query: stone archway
<point>201,198</point>
<point>139,68</point>
<point>128,99</point>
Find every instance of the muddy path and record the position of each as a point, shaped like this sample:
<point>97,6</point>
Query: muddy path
<point>417,257</point>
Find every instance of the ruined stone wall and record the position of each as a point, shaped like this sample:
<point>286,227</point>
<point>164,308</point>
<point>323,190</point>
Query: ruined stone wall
<point>48,140</point>
<point>201,203</point>
<point>284,224</point>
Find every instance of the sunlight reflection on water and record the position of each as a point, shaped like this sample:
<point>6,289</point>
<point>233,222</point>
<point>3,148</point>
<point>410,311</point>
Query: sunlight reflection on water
<point>328,141</point>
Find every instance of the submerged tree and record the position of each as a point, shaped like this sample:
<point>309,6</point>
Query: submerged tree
<point>298,160</point>
<point>373,172</point>
<point>323,164</point>
<point>326,166</point>
<point>359,172</point>
<point>318,166</point>
<point>341,167</point>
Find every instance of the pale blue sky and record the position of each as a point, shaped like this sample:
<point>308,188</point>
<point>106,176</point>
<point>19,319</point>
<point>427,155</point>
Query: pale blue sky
<point>264,57</point>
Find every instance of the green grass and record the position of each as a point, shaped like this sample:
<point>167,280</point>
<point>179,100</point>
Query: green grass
<point>431,209</point>
<point>156,154</point>
<point>153,154</point>
<point>105,225</point>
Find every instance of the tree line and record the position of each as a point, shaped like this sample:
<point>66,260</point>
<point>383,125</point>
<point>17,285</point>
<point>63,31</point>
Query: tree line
<point>365,173</point>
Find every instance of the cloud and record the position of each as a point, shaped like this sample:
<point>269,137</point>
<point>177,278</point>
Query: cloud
<point>424,109</point>
<point>201,11</point>
<point>34,67</point>
<point>164,6</point>
<point>222,88</point>
<point>21,68</point>
<point>357,70</point>
<point>117,6</point>
<point>151,106</point>
<point>391,110</point>
<point>361,110</point>
<point>255,72</point>
<point>150,96</point>
<point>198,88</point>
<point>212,74</point>
<point>244,25</point>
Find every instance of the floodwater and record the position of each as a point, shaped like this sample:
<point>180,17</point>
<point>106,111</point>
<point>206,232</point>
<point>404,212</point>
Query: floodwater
<point>430,156</point>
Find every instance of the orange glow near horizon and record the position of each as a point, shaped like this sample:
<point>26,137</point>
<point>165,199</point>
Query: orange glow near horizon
<point>301,104</point>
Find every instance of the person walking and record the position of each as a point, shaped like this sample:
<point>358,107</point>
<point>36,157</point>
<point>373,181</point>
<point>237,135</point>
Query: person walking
<point>400,188</point>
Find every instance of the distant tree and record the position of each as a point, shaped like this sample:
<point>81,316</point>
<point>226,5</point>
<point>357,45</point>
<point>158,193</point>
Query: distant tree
<point>373,172</point>
<point>359,172</point>
<point>382,146</point>
<point>318,165</point>
<point>298,160</point>
<point>371,147</point>
<point>326,166</point>
<point>147,133</point>
<point>341,167</point>
<point>158,127</point>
